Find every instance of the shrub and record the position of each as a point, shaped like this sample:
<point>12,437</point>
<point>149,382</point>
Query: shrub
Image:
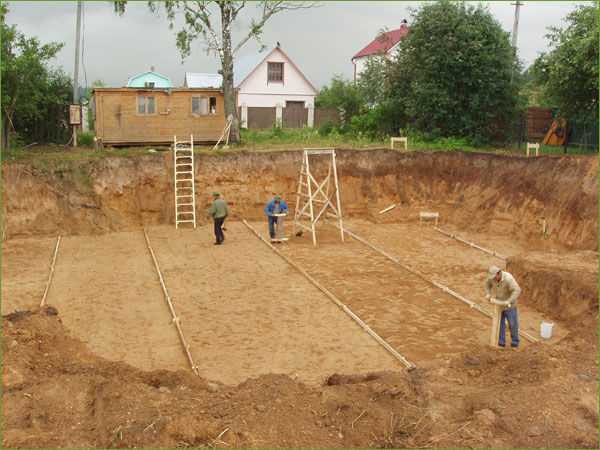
<point>86,139</point>
<point>326,128</point>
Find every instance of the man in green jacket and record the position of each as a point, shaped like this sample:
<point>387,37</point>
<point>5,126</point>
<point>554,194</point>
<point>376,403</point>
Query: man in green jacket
<point>218,211</point>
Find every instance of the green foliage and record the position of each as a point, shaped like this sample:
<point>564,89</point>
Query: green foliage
<point>373,83</point>
<point>86,139</point>
<point>282,138</point>
<point>342,95</point>
<point>568,74</point>
<point>326,128</point>
<point>32,93</point>
<point>452,73</point>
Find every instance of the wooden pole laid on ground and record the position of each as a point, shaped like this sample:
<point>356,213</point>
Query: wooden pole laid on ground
<point>43,302</point>
<point>409,365</point>
<point>176,320</point>
<point>447,290</point>
<point>471,244</point>
<point>389,208</point>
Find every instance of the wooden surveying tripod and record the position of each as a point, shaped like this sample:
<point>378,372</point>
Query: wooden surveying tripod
<point>311,192</point>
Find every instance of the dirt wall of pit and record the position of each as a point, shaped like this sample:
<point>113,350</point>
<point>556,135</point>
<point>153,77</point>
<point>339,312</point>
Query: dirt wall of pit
<point>473,191</point>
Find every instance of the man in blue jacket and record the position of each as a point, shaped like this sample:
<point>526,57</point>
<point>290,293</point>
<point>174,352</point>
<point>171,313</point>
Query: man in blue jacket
<point>275,206</point>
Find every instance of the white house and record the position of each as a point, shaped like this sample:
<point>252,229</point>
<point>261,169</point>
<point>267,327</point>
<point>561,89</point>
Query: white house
<point>385,44</point>
<point>272,80</point>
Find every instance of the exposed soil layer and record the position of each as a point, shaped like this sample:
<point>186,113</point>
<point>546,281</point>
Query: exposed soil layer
<point>476,192</point>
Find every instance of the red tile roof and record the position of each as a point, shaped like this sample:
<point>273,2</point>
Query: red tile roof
<point>383,42</point>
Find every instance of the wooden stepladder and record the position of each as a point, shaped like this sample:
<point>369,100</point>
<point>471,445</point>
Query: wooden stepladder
<point>183,181</point>
<point>316,199</point>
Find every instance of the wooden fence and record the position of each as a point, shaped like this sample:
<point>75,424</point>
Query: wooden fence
<point>292,117</point>
<point>538,122</point>
<point>324,115</point>
<point>261,118</point>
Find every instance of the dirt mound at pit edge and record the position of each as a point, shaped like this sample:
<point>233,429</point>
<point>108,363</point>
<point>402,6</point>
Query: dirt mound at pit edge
<point>57,394</point>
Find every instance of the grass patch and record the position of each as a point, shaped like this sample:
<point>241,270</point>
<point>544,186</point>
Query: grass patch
<point>53,157</point>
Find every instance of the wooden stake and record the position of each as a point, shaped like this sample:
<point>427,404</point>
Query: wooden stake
<point>495,334</point>
<point>471,244</point>
<point>447,290</point>
<point>43,302</point>
<point>176,319</point>
<point>409,365</point>
<point>389,208</point>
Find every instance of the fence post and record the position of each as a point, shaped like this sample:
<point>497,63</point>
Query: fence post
<point>311,116</point>
<point>244,116</point>
<point>279,115</point>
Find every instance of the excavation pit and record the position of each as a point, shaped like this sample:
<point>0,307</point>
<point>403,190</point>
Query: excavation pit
<point>247,314</point>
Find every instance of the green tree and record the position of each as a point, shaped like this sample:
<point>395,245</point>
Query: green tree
<point>568,74</point>
<point>25,74</point>
<point>342,95</point>
<point>452,73</point>
<point>373,82</point>
<point>199,22</point>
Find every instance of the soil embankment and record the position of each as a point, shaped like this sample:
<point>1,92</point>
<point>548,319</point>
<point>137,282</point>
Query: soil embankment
<point>57,394</point>
<point>474,192</point>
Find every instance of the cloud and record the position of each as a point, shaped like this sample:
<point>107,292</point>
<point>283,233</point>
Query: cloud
<point>321,40</point>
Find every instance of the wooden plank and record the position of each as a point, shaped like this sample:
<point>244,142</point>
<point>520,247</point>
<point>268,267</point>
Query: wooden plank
<point>471,244</point>
<point>495,331</point>
<point>43,302</point>
<point>409,365</point>
<point>174,316</point>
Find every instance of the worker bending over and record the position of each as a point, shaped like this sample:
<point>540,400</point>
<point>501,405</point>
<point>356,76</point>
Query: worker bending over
<point>218,211</point>
<point>275,206</point>
<point>507,292</point>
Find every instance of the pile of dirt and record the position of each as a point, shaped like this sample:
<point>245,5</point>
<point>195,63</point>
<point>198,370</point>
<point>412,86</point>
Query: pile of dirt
<point>475,192</point>
<point>57,394</point>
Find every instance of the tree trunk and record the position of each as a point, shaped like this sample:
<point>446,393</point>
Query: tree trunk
<point>5,132</point>
<point>227,71</point>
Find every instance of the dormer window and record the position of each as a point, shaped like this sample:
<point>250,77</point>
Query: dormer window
<point>149,84</point>
<point>275,72</point>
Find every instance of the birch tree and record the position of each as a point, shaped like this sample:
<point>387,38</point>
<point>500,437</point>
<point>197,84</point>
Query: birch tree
<point>212,21</point>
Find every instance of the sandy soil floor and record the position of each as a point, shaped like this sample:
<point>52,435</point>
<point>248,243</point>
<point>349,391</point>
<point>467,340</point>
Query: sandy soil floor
<point>246,312</point>
<point>25,267</point>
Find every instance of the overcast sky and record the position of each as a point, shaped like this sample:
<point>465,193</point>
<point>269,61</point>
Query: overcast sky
<point>320,40</point>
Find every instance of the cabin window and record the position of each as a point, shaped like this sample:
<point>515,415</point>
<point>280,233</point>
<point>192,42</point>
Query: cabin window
<point>146,104</point>
<point>203,106</point>
<point>275,72</point>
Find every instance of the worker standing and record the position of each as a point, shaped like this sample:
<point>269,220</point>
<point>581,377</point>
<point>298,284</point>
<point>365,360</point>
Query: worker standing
<point>218,211</point>
<point>507,292</point>
<point>275,206</point>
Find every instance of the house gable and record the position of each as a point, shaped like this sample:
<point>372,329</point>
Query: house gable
<point>294,81</point>
<point>140,80</point>
<point>383,43</point>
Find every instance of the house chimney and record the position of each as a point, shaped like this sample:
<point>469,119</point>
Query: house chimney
<point>404,23</point>
<point>151,68</point>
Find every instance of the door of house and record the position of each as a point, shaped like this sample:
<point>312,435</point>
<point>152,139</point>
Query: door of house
<point>295,115</point>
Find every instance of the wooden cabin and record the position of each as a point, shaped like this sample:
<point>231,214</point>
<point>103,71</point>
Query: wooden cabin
<point>138,116</point>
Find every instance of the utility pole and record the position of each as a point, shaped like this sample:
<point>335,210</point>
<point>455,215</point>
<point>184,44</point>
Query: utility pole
<point>76,69</point>
<point>515,33</point>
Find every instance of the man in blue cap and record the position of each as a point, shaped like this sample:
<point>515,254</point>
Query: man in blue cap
<point>274,207</point>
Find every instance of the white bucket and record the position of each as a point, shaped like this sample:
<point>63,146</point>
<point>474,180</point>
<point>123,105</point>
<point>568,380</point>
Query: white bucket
<point>546,329</point>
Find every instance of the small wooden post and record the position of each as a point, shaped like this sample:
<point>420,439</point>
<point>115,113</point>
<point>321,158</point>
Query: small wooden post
<point>495,334</point>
